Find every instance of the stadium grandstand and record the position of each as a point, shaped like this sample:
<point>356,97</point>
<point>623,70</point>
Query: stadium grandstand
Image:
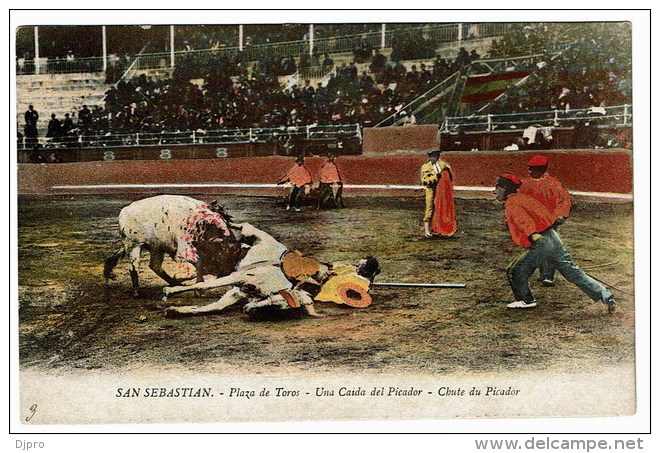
<point>110,92</point>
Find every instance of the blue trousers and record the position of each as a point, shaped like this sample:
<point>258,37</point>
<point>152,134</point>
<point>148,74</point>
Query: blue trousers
<point>547,270</point>
<point>296,196</point>
<point>550,249</point>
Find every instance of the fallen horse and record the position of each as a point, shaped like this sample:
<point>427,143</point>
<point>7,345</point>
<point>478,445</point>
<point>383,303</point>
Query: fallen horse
<point>270,276</point>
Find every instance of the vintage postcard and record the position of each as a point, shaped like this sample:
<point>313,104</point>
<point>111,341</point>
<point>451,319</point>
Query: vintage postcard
<point>373,215</point>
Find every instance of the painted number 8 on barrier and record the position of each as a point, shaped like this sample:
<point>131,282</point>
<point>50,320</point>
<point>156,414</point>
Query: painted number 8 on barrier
<point>108,156</point>
<point>165,154</point>
<point>221,152</point>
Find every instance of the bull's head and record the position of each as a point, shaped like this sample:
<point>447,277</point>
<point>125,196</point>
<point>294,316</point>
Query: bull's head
<point>218,252</point>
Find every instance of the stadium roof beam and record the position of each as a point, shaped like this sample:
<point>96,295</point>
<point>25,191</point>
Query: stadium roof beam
<point>36,50</point>
<point>311,39</point>
<point>172,46</point>
<point>105,48</point>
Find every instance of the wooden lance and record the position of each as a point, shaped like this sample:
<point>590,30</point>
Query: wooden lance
<point>420,285</point>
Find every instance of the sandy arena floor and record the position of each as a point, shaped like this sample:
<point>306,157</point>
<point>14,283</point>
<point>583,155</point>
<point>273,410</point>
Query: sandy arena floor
<point>69,317</point>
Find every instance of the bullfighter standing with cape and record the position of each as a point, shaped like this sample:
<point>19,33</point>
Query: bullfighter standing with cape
<point>439,214</point>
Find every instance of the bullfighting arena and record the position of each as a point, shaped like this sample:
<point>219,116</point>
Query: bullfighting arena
<point>71,321</point>
<point>385,306</point>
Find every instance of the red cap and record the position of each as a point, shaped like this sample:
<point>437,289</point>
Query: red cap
<point>538,161</point>
<point>511,177</point>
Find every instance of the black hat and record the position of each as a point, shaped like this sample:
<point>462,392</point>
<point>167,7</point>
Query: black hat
<point>434,151</point>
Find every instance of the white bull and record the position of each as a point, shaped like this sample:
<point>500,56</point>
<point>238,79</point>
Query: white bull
<point>186,229</point>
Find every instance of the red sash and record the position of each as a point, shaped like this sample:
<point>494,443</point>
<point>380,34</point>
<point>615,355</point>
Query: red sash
<point>444,214</point>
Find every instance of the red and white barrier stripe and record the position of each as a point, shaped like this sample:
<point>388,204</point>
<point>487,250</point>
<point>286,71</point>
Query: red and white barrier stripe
<point>231,185</point>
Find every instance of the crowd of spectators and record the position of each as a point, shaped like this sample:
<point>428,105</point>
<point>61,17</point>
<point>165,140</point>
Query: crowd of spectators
<point>203,37</point>
<point>525,40</point>
<point>412,46</point>
<point>199,37</point>
<point>591,74</point>
<point>58,64</point>
<point>212,92</point>
<point>410,41</point>
<point>224,95</point>
<point>230,98</point>
<point>594,72</point>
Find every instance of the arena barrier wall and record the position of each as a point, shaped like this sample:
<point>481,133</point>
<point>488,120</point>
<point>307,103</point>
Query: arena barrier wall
<point>607,171</point>
<point>396,138</point>
<point>314,146</point>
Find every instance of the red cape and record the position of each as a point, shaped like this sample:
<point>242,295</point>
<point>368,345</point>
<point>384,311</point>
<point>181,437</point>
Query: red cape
<point>444,213</point>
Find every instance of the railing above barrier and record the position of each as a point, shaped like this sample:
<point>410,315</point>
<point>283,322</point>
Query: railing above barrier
<point>620,115</point>
<point>220,137</point>
<point>501,65</point>
<point>60,66</point>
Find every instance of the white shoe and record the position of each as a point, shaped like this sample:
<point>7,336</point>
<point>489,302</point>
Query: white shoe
<point>611,305</point>
<point>521,304</point>
<point>547,282</point>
